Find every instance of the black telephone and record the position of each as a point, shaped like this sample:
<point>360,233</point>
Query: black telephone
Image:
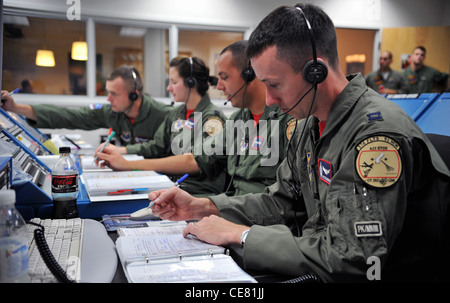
<point>47,255</point>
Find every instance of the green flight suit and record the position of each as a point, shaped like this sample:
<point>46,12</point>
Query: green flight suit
<point>176,135</point>
<point>371,186</point>
<point>422,81</point>
<point>150,117</point>
<point>253,155</point>
<point>395,80</point>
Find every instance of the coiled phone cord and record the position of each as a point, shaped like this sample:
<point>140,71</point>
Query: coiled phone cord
<point>47,255</point>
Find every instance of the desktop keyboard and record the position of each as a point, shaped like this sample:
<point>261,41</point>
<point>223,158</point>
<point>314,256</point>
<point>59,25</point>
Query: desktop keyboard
<point>82,247</point>
<point>64,238</point>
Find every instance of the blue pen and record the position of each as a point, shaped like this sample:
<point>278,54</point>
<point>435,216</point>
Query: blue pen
<point>14,91</point>
<point>106,143</point>
<point>177,184</point>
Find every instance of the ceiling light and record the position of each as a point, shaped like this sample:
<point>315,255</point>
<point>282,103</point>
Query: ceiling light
<point>79,51</point>
<point>45,58</point>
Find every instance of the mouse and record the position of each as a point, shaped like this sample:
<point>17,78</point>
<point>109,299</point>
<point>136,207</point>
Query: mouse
<point>143,215</point>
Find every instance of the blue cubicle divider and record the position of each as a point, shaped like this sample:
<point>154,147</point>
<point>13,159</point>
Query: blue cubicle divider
<point>414,104</point>
<point>436,119</point>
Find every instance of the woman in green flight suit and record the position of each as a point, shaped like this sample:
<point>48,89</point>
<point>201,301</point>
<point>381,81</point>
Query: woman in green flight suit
<point>183,130</point>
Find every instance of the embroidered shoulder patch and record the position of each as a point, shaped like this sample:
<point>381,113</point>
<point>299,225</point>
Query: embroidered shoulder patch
<point>290,128</point>
<point>378,161</point>
<point>213,126</point>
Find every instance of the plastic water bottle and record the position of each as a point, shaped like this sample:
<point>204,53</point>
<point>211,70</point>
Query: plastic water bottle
<point>13,240</point>
<point>65,186</point>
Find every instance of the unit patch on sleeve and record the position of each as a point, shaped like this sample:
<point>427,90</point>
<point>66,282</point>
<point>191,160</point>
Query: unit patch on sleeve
<point>378,161</point>
<point>291,124</point>
<point>213,125</point>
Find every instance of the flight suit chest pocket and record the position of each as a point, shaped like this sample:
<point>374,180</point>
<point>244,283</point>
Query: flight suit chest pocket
<point>355,220</point>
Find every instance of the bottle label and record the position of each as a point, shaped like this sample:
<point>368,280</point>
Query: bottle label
<point>64,184</point>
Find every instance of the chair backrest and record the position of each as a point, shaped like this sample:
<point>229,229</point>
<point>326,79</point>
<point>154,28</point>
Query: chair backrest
<point>442,145</point>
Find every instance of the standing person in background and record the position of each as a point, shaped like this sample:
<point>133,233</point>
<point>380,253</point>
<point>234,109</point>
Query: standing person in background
<point>386,80</point>
<point>421,77</point>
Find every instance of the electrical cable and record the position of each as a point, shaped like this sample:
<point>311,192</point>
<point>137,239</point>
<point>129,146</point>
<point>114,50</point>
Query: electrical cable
<point>47,256</point>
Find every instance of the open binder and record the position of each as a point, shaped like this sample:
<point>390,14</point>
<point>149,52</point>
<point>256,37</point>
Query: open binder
<point>159,254</point>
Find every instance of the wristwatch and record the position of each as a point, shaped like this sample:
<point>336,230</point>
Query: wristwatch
<point>244,236</point>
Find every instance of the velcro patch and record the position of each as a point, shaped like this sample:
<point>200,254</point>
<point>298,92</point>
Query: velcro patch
<point>325,171</point>
<point>368,229</point>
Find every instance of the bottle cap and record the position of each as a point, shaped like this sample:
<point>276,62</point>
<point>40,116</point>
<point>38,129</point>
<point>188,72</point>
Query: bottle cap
<point>7,196</point>
<point>64,150</point>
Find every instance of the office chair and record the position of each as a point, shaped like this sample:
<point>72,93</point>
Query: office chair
<point>442,145</point>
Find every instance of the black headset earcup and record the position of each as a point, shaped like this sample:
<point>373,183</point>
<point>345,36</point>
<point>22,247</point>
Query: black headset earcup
<point>315,72</point>
<point>248,74</point>
<point>133,96</point>
<point>190,82</point>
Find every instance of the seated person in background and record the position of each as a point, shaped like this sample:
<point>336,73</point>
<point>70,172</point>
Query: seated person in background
<point>421,77</point>
<point>134,116</point>
<point>361,194</point>
<point>181,133</point>
<point>386,80</point>
<point>244,161</point>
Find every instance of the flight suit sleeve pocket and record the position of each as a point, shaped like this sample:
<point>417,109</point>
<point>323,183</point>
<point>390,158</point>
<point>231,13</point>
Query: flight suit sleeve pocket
<point>355,222</point>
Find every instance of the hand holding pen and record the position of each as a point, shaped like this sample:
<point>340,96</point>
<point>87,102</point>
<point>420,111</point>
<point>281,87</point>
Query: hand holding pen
<point>5,95</point>
<point>112,134</point>
<point>177,184</point>
<point>146,212</point>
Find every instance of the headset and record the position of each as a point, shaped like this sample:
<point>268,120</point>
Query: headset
<point>191,81</point>
<point>314,71</point>
<point>133,96</point>
<point>248,75</point>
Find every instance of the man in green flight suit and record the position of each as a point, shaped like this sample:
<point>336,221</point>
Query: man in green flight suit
<point>421,77</point>
<point>133,115</point>
<point>251,156</point>
<point>362,193</point>
<point>386,80</point>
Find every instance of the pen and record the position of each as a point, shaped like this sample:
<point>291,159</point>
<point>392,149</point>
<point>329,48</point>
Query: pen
<point>11,93</point>
<point>122,191</point>
<point>175,185</point>
<point>14,91</point>
<point>106,143</point>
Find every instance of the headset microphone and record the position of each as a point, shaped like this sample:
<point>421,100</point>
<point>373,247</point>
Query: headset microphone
<point>232,96</point>
<point>274,115</point>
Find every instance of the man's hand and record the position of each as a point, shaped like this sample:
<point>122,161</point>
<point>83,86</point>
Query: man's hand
<point>216,230</point>
<point>176,204</point>
<point>109,157</point>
